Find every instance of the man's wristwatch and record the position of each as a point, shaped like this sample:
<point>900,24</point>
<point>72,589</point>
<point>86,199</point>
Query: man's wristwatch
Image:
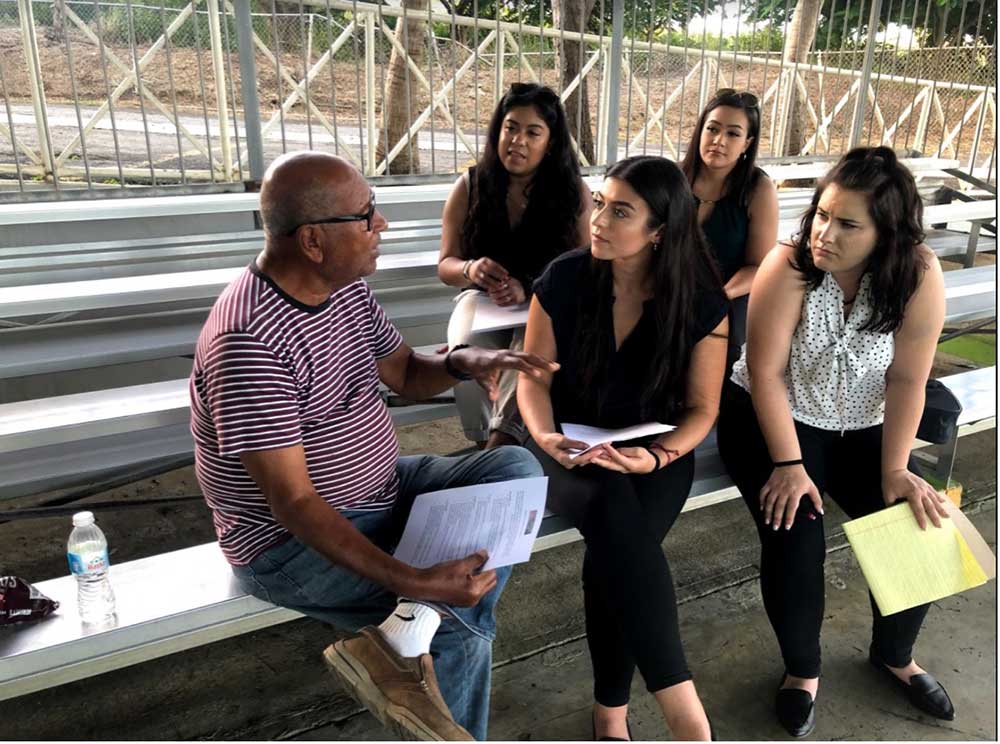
<point>450,368</point>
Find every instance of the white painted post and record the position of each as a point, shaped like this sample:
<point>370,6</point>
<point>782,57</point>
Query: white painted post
<point>248,86</point>
<point>370,86</point>
<point>221,102</point>
<point>925,117</point>
<point>30,42</point>
<point>780,141</point>
<point>602,105</point>
<point>977,137</point>
<point>498,71</point>
<point>857,129</point>
<point>614,80</point>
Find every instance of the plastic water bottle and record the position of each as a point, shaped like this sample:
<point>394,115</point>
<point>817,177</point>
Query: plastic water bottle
<point>87,552</point>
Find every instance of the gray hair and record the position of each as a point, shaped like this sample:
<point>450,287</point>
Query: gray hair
<point>282,212</point>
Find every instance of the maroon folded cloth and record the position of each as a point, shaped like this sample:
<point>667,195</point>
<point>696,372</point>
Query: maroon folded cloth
<point>20,602</point>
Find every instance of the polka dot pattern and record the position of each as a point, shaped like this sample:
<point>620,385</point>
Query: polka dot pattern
<point>836,370</point>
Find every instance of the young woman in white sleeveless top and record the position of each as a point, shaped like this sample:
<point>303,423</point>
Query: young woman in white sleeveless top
<point>825,401</point>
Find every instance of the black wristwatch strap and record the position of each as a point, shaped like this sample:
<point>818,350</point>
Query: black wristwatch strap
<point>656,457</point>
<point>450,368</point>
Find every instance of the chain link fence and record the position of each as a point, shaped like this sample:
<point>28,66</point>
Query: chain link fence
<point>74,105</point>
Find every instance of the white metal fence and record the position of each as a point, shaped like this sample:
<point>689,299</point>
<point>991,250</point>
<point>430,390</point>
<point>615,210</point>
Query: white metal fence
<point>195,94</point>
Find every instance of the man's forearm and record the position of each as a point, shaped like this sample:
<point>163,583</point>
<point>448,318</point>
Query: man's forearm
<point>323,528</point>
<point>426,376</point>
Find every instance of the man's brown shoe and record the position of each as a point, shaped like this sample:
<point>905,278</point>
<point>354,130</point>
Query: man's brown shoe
<point>402,693</point>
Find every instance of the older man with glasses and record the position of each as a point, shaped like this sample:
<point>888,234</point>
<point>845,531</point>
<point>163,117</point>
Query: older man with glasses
<point>298,459</point>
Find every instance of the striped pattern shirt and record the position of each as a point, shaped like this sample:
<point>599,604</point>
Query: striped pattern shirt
<point>271,372</point>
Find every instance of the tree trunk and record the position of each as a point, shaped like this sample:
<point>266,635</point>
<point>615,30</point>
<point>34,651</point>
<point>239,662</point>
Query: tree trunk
<point>798,43</point>
<point>941,30</point>
<point>572,15</point>
<point>399,116</point>
<point>57,31</point>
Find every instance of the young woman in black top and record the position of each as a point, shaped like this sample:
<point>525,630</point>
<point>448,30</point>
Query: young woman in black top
<point>638,326</point>
<point>520,206</point>
<point>737,202</point>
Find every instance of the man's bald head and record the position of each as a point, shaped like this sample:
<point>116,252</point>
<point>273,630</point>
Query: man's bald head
<point>300,187</point>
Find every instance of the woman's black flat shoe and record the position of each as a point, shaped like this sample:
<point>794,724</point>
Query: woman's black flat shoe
<point>796,710</point>
<point>924,692</point>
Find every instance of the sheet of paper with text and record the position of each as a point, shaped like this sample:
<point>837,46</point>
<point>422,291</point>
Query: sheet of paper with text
<point>503,518</point>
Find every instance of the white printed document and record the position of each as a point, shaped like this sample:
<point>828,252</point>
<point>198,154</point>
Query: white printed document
<point>594,436</point>
<point>490,317</point>
<point>502,518</point>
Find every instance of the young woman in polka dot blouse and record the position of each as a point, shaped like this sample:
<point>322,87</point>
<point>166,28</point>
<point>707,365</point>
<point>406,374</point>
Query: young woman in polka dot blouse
<point>826,399</point>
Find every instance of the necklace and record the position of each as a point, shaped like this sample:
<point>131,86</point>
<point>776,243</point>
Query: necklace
<point>704,201</point>
<point>522,202</point>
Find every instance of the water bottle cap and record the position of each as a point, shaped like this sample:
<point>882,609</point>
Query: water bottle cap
<point>83,519</point>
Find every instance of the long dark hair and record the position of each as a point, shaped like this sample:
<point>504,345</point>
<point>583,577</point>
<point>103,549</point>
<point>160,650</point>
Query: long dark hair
<point>895,207</point>
<point>682,270</point>
<point>554,190</point>
<point>742,179</point>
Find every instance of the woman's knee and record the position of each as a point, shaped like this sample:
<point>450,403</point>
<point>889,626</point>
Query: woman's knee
<point>514,462</point>
<point>613,509</point>
<point>800,550</point>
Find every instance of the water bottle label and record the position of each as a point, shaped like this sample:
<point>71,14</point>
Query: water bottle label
<point>82,564</point>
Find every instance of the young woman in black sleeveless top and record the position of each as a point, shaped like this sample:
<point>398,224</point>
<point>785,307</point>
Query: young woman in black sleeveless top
<point>638,326</point>
<point>737,202</point>
<point>520,206</point>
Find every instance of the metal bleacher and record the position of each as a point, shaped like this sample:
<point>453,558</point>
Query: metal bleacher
<point>72,307</point>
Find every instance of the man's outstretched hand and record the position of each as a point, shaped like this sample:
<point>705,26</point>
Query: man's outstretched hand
<point>485,365</point>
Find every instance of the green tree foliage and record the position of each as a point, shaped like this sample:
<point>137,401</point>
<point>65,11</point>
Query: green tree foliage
<point>844,23</point>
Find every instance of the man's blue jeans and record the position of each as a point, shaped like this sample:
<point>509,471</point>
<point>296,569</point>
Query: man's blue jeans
<point>296,576</point>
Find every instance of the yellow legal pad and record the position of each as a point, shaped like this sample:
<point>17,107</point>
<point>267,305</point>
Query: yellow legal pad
<point>906,566</point>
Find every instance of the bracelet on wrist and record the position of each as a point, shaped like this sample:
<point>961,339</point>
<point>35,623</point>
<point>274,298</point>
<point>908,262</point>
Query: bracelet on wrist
<point>786,463</point>
<point>450,368</point>
<point>656,457</point>
<point>465,269</point>
<point>669,454</point>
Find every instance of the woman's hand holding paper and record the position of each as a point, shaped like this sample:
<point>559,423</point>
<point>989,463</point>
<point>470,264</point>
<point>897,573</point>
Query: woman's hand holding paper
<point>902,485</point>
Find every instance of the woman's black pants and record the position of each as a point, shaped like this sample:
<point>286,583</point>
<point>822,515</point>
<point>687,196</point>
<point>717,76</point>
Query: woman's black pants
<point>628,594</point>
<point>848,468</point>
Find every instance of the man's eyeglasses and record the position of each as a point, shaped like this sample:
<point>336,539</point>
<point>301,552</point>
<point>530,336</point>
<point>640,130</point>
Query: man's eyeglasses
<point>366,217</point>
<point>747,98</point>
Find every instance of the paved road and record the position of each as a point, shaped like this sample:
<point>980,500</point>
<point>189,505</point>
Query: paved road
<point>162,142</point>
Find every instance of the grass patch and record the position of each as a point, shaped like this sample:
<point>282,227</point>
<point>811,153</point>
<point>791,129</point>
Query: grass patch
<point>980,348</point>
<point>938,484</point>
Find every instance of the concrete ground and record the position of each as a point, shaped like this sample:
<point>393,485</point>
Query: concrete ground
<point>272,684</point>
<point>731,652</point>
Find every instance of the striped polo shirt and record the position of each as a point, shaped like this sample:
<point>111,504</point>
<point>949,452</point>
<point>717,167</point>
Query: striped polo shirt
<point>272,372</point>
